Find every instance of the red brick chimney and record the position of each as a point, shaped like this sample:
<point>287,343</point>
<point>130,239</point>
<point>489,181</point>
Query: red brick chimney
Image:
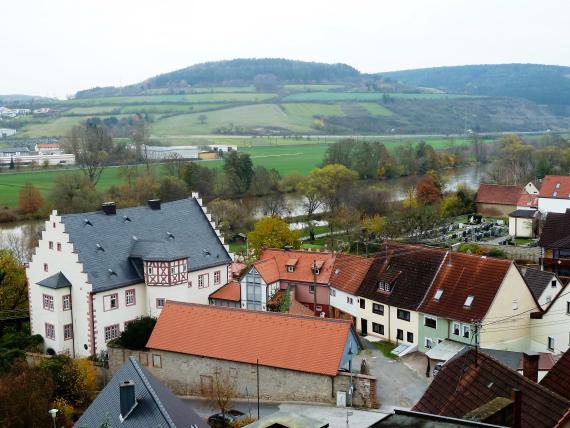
<point>530,366</point>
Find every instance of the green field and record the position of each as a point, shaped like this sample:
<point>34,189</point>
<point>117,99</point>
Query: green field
<point>375,109</point>
<point>310,110</point>
<point>309,87</point>
<point>213,97</point>
<point>363,96</point>
<point>249,117</point>
<point>57,127</point>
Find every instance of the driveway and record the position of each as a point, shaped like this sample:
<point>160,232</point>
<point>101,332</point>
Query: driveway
<point>398,385</point>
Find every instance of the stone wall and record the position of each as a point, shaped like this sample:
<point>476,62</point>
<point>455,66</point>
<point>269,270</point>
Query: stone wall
<point>529,255</point>
<point>191,375</point>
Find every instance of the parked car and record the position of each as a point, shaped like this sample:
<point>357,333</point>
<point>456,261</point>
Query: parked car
<point>231,416</point>
<point>437,368</point>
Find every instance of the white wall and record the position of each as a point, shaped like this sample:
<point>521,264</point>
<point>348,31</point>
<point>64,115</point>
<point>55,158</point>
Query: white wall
<point>548,205</point>
<point>549,293</point>
<point>521,227</point>
<point>338,299</point>
<point>555,323</point>
<point>531,189</point>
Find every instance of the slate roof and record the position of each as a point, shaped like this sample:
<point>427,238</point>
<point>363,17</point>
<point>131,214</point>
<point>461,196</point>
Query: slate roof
<point>556,231</point>
<point>301,343</point>
<point>555,187</point>
<point>462,276</point>
<point>558,377</point>
<point>349,271</point>
<point>137,233</point>
<point>58,280</point>
<point>499,194</point>
<point>523,213</point>
<point>272,265</point>
<point>537,280</point>
<point>412,266</point>
<point>471,379</point>
<point>156,405</point>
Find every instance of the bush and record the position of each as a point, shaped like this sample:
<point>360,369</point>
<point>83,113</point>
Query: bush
<point>136,333</point>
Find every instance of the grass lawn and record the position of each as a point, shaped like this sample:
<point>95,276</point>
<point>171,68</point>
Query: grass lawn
<point>386,349</point>
<point>58,127</point>
<point>312,109</point>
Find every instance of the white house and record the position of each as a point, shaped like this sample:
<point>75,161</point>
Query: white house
<point>554,194</point>
<point>94,272</point>
<point>543,285</point>
<point>550,329</point>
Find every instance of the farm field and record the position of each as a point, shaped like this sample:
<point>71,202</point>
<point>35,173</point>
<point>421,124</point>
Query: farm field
<point>213,97</point>
<point>57,127</point>
<point>364,96</point>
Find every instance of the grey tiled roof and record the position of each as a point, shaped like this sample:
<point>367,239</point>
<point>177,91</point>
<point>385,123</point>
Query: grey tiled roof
<point>57,280</point>
<point>524,214</point>
<point>111,247</point>
<point>537,281</point>
<point>156,405</point>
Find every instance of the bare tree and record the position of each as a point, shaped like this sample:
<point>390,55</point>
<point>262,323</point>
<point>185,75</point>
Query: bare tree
<point>91,145</point>
<point>274,205</point>
<point>223,392</point>
<point>174,164</point>
<point>22,244</point>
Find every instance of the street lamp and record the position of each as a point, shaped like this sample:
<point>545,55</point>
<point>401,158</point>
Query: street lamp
<point>350,387</point>
<point>53,413</point>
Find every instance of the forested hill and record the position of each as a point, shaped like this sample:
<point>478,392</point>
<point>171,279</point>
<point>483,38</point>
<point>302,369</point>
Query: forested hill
<point>544,84</point>
<point>239,72</point>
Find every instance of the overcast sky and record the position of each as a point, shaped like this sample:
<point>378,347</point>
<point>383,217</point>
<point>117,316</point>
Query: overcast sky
<point>56,47</point>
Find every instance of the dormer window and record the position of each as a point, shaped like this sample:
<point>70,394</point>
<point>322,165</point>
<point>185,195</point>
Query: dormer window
<point>290,269</point>
<point>468,301</point>
<point>384,286</point>
<point>438,294</point>
<point>557,185</point>
<point>555,194</point>
<point>291,263</point>
<point>316,271</point>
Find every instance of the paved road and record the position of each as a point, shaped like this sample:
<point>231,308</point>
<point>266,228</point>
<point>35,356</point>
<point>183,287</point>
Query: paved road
<point>398,385</point>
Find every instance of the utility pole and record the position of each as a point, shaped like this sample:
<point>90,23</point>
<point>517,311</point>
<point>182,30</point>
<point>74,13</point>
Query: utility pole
<point>314,270</point>
<point>257,389</point>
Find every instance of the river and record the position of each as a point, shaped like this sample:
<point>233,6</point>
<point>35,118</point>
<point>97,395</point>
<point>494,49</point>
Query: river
<point>469,175</point>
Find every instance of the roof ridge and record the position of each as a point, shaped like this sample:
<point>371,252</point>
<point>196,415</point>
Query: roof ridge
<point>152,392</point>
<point>262,313</point>
<point>137,207</point>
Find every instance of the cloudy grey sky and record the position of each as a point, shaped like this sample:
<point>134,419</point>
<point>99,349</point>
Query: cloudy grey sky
<point>56,47</point>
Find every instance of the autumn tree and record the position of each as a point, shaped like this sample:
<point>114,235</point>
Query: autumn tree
<point>230,216</point>
<point>91,143</point>
<point>31,199</point>
<point>13,282</point>
<point>172,189</point>
<point>223,392</point>
<point>199,178</point>
<point>74,193</point>
<point>25,397</point>
<point>427,190</point>
<point>272,232</point>
<point>333,182</point>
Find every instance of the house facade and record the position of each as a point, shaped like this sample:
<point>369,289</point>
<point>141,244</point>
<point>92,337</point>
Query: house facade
<point>92,273</point>
<point>477,301</point>
<point>555,243</point>
<point>496,200</point>
<point>550,329</point>
<point>554,196</point>
<point>392,291</point>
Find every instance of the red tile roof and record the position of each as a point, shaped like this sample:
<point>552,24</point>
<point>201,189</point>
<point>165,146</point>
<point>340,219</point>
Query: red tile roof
<point>558,377</point>
<point>528,201</point>
<point>472,379</point>
<point>555,186</point>
<point>272,265</point>
<point>236,268</point>
<point>307,344</point>
<point>499,194</point>
<point>349,272</point>
<point>465,275</point>
<point>230,291</point>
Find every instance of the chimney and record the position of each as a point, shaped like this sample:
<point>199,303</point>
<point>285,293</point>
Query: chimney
<point>109,208</point>
<point>517,408</point>
<point>127,397</point>
<point>154,204</point>
<point>530,366</point>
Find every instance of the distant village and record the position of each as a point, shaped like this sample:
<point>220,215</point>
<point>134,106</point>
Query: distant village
<point>484,340</point>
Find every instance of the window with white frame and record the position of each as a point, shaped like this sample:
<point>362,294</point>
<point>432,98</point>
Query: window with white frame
<point>66,302</point>
<point>568,307</point>
<point>110,302</point>
<point>46,269</point>
<point>160,303</point>
<point>112,332</point>
<point>67,331</point>
<point>290,269</point>
<point>378,328</point>
<point>50,331</point>
<point>319,308</point>
<point>456,328</point>
<point>217,277</point>
<point>430,322</point>
<point>553,283</point>
<point>173,270</point>
<point>59,246</point>
<point>333,292</point>
<point>48,302</point>
<point>403,315</point>
<point>550,343</point>
<point>349,300</point>
<point>130,297</point>
<point>50,245</point>
<point>204,281</point>
<point>466,331</point>
<point>515,304</point>
<point>149,270</point>
<point>428,343</point>
<point>378,309</point>
<point>312,289</point>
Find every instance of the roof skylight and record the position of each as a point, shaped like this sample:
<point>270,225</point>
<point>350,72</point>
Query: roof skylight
<point>468,301</point>
<point>438,294</point>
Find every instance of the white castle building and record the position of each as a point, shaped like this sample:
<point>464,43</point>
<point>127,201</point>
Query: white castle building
<point>94,272</point>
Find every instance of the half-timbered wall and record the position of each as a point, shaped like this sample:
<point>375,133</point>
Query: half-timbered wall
<point>166,273</point>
